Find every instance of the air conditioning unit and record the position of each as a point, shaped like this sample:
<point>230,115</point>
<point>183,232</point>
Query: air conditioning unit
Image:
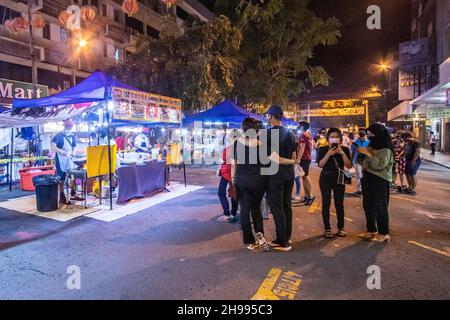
<point>41,54</point>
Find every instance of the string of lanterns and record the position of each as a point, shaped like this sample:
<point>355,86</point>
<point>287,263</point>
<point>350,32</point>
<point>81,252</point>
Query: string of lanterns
<point>19,24</point>
<point>87,14</point>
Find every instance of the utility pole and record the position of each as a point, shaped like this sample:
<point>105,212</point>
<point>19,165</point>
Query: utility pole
<point>32,56</point>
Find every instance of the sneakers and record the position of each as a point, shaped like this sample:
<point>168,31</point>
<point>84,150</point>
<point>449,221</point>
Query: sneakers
<point>233,219</point>
<point>310,201</point>
<point>223,218</point>
<point>261,241</point>
<point>296,199</point>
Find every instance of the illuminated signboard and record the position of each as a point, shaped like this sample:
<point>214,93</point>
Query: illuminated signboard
<point>135,105</point>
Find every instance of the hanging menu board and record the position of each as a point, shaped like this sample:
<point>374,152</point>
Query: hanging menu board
<point>134,105</point>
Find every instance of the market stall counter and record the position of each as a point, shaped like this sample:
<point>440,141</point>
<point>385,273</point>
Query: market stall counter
<point>140,180</point>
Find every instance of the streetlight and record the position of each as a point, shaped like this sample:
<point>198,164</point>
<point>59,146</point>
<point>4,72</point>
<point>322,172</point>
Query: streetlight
<point>83,43</point>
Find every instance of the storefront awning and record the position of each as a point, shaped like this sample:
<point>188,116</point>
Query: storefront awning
<point>401,112</point>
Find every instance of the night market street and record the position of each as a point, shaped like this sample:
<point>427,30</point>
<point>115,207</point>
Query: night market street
<point>177,250</point>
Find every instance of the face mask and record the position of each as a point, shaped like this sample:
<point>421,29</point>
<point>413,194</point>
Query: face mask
<point>334,140</point>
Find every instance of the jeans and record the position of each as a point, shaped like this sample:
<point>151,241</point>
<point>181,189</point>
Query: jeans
<point>280,202</point>
<point>222,193</point>
<point>376,202</point>
<point>297,186</point>
<point>359,175</point>
<point>250,191</point>
<point>328,183</point>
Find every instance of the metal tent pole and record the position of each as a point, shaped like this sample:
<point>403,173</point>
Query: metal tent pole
<point>11,160</point>
<point>109,157</point>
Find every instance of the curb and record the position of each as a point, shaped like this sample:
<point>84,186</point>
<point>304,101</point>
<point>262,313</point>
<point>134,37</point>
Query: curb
<point>437,163</point>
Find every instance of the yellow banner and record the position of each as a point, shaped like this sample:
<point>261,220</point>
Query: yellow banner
<point>336,112</point>
<point>97,160</point>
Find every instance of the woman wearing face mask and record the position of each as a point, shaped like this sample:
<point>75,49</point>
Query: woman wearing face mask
<point>377,165</point>
<point>332,158</point>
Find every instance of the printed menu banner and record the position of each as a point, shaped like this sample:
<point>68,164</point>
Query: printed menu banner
<point>142,106</point>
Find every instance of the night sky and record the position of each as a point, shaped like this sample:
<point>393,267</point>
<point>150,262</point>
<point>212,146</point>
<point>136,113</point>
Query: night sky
<point>351,62</point>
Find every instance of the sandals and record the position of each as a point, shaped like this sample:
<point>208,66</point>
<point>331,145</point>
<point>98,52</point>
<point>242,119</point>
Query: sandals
<point>342,233</point>
<point>327,234</point>
<point>253,246</point>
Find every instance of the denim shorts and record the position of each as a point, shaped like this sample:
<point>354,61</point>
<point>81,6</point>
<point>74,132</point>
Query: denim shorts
<point>412,169</point>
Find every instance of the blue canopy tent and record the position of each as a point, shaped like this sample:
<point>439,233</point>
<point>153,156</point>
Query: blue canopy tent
<point>95,89</point>
<point>225,112</point>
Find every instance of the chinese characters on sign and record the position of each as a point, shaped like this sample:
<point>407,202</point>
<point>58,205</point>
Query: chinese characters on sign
<point>335,112</point>
<point>143,106</point>
<point>438,113</point>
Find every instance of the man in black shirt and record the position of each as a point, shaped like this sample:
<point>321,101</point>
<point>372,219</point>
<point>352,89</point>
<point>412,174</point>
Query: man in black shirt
<point>280,184</point>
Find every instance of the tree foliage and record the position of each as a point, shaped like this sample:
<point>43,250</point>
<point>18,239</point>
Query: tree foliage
<point>259,51</point>
<point>279,37</point>
<point>196,65</point>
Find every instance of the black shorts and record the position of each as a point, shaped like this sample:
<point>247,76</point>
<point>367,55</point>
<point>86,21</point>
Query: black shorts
<point>305,164</point>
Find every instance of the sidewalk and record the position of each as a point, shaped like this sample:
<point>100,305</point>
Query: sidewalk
<point>439,158</point>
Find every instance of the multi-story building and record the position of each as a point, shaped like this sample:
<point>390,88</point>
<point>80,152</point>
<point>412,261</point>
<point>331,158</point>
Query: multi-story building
<point>425,103</point>
<point>109,37</point>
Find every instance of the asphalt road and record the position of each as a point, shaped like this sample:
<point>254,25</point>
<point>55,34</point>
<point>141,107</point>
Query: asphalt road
<point>177,250</point>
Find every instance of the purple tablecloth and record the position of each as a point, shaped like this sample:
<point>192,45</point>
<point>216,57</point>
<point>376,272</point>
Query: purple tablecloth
<point>137,181</point>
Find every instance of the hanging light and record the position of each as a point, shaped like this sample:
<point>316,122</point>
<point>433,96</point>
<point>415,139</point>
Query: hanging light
<point>130,7</point>
<point>11,26</point>
<point>63,17</point>
<point>21,23</point>
<point>88,13</point>
<point>37,20</point>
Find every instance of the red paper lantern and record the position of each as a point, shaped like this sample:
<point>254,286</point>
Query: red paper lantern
<point>63,17</point>
<point>37,20</point>
<point>130,7</point>
<point>21,23</point>
<point>88,13</point>
<point>11,26</point>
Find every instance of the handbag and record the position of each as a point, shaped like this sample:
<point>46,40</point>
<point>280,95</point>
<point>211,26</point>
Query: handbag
<point>344,177</point>
<point>298,170</point>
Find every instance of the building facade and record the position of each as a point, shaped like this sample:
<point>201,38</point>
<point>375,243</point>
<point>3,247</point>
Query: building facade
<point>110,37</point>
<point>430,29</point>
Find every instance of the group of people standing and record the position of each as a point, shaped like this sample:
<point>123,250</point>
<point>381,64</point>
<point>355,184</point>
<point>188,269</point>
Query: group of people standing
<point>373,153</point>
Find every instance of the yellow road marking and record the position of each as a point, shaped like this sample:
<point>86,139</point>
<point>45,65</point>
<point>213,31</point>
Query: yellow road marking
<point>397,197</point>
<point>345,218</point>
<point>314,207</point>
<point>278,285</point>
<point>442,187</point>
<point>430,248</point>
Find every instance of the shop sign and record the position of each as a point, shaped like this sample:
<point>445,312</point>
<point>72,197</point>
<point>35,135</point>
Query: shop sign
<point>134,105</point>
<point>412,56</point>
<point>335,112</point>
<point>448,97</point>
<point>438,113</point>
<point>10,89</point>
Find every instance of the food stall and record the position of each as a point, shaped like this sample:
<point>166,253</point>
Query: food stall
<point>208,130</point>
<point>113,102</point>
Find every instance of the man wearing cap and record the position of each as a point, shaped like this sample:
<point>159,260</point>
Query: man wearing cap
<point>141,142</point>
<point>63,144</point>
<point>281,183</point>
